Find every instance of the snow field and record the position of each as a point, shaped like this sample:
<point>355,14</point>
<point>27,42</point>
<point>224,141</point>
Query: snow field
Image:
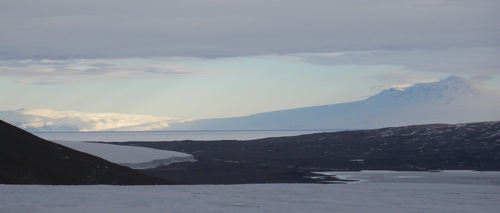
<point>314,198</point>
<point>446,177</point>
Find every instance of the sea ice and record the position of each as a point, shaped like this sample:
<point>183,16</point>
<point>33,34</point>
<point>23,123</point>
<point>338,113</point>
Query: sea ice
<point>290,198</point>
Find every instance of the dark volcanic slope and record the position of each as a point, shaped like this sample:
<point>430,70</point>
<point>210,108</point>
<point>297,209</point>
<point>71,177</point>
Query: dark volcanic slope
<point>474,146</point>
<point>27,159</point>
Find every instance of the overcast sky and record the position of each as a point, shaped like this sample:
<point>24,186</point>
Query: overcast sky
<point>222,58</point>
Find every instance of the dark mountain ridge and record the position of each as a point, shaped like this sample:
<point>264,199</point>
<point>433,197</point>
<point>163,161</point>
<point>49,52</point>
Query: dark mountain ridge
<point>27,159</point>
<point>471,146</point>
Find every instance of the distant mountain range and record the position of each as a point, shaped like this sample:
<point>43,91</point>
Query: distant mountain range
<point>452,100</point>
<point>45,120</point>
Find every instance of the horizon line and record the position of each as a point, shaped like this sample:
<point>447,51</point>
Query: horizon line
<point>242,130</point>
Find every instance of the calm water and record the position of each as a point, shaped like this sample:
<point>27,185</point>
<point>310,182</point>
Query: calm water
<point>169,135</point>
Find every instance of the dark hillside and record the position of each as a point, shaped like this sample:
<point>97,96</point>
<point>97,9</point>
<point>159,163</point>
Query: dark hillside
<point>472,146</point>
<point>27,159</point>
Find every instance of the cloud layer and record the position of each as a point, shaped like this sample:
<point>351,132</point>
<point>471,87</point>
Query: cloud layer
<point>56,41</point>
<point>221,28</point>
<point>46,71</point>
<point>468,60</point>
<point>274,54</point>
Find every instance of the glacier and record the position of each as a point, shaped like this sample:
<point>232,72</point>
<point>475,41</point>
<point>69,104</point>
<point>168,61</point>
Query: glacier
<point>129,156</point>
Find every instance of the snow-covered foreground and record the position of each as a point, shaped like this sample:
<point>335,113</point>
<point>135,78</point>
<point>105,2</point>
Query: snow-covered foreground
<point>133,157</point>
<point>362,197</point>
<point>384,197</point>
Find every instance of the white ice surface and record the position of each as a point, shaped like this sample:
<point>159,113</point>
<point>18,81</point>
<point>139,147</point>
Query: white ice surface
<point>130,156</point>
<point>447,177</point>
<point>289,198</point>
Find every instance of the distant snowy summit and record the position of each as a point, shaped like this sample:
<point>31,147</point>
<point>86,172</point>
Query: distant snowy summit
<point>450,89</point>
<point>452,100</point>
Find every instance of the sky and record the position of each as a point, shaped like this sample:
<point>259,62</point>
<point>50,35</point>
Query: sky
<point>221,58</point>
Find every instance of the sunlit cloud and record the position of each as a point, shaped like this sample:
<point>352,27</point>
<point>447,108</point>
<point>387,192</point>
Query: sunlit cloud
<point>399,80</point>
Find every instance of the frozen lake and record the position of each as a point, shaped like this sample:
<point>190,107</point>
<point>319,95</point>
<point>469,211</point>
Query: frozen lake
<point>386,192</point>
<point>122,136</point>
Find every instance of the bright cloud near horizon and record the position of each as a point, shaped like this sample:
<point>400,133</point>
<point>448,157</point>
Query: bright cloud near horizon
<point>220,58</point>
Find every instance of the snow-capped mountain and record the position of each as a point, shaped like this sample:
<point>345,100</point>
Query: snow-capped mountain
<point>452,100</point>
<point>446,90</point>
<point>44,120</point>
